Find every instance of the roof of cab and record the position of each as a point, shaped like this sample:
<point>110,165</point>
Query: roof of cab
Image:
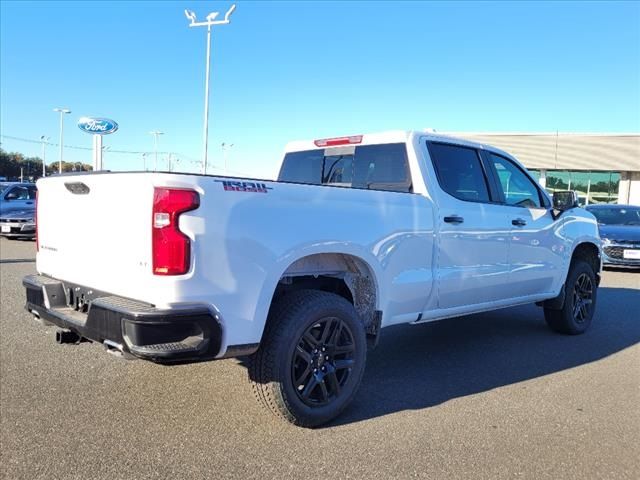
<point>391,136</point>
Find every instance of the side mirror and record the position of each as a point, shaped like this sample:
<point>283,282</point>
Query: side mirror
<point>563,201</point>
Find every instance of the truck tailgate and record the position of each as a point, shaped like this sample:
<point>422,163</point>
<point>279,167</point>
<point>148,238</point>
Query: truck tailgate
<point>95,230</point>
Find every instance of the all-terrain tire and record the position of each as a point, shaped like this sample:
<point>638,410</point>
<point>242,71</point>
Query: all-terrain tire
<point>576,314</point>
<point>311,359</point>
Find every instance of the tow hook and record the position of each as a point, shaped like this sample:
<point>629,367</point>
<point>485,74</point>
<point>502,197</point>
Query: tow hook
<point>67,336</point>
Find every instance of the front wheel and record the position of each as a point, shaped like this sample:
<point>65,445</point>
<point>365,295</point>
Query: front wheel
<point>311,359</point>
<point>581,290</point>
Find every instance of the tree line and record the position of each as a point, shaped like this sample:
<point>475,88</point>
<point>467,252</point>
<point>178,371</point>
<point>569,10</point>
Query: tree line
<point>13,163</point>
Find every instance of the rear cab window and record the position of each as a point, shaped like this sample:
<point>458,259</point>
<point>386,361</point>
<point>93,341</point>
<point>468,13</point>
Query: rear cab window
<point>372,167</point>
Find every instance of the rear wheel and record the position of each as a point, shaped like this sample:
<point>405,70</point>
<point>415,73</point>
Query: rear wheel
<point>311,359</point>
<point>580,301</point>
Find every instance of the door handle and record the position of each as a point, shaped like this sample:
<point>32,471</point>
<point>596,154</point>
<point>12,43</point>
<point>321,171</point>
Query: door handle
<point>518,222</point>
<point>29,203</point>
<point>454,219</point>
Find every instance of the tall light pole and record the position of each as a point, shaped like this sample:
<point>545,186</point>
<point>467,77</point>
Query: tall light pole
<point>63,112</point>
<point>144,161</point>
<point>155,134</point>
<point>44,141</point>
<point>210,21</point>
<point>225,148</point>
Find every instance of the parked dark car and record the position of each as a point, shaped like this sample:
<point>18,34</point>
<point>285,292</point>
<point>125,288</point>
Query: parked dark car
<point>16,196</point>
<point>18,224</point>
<point>619,227</point>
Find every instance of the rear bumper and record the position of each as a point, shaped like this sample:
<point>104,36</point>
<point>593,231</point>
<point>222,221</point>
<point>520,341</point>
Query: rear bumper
<point>191,332</point>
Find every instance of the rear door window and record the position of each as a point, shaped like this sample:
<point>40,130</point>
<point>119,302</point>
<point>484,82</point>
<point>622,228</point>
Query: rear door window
<point>382,167</point>
<point>459,171</point>
<point>373,167</point>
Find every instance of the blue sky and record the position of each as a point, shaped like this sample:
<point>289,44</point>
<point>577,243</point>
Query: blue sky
<point>292,70</point>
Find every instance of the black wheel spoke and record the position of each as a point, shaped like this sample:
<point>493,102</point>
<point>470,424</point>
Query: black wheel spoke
<point>323,390</point>
<point>332,378</point>
<point>309,387</point>
<point>335,335</point>
<point>342,364</point>
<point>302,353</point>
<point>303,376</point>
<point>310,339</point>
<point>343,349</point>
<point>327,330</point>
<point>583,311</point>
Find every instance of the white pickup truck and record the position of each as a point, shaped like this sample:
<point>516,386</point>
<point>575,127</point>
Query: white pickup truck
<point>358,233</point>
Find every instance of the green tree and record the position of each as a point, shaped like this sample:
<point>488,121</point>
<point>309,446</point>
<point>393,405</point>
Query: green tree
<point>11,163</point>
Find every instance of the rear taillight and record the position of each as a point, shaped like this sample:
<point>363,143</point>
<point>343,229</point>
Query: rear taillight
<point>171,248</point>
<point>334,142</point>
<point>37,223</point>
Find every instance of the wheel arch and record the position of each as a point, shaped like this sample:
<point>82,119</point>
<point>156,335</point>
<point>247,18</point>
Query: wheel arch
<point>588,251</point>
<point>344,273</point>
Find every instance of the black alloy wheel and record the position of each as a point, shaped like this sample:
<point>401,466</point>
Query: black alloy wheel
<point>311,358</point>
<point>582,298</point>
<point>322,361</point>
<point>576,312</point>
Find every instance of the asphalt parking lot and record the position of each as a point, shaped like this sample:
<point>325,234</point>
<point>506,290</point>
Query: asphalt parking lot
<point>489,396</point>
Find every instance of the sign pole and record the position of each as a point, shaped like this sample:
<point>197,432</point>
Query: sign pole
<point>97,153</point>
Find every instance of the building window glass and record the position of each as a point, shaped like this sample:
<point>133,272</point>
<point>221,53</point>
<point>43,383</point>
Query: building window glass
<point>592,187</point>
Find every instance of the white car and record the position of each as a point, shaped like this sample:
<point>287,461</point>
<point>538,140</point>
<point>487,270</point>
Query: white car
<point>358,233</point>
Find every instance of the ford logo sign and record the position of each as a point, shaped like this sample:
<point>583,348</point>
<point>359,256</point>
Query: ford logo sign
<point>97,126</point>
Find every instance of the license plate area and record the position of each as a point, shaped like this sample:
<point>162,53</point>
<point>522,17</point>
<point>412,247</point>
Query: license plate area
<point>631,254</point>
<point>6,229</point>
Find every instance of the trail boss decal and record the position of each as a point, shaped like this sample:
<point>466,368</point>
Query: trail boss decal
<point>231,186</point>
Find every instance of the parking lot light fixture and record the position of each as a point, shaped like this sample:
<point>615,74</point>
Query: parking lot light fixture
<point>63,112</point>
<point>210,21</point>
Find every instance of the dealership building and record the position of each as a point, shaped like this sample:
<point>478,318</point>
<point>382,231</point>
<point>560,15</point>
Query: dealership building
<point>602,168</point>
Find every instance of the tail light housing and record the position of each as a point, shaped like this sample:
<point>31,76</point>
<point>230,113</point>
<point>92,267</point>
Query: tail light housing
<point>171,249</point>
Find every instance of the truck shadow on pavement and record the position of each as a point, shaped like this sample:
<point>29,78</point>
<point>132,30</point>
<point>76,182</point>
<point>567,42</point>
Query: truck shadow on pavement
<point>416,367</point>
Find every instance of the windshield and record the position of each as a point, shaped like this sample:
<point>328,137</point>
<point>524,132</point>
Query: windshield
<point>617,215</point>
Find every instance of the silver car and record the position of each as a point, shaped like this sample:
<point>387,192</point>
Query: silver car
<point>18,224</point>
